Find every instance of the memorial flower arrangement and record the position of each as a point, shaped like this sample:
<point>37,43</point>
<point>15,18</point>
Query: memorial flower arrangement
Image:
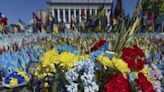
<point>87,63</point>
<point>15,79</point>
<point>134,74</point>
<point>101,70</point>
<point>55,62</point>
<point>96,67</point>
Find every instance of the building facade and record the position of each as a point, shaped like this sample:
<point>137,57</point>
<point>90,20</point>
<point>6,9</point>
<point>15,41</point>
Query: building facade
<point>64,10</point>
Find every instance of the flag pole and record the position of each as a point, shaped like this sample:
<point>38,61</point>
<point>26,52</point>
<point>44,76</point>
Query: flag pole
<point>88,12</point>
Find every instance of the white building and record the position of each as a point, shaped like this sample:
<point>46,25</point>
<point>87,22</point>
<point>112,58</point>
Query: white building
<point>66,9</point>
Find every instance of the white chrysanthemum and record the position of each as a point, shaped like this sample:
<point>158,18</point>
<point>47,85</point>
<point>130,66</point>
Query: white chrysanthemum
<point>73,87</point>
<point>88,77</point>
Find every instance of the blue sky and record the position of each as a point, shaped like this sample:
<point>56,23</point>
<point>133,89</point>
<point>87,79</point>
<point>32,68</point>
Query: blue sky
<point>22,9</point>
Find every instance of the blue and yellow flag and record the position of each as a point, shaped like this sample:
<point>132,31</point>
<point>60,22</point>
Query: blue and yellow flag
<point>55,28</point>
<point>100,14</point>
<point>101,11</point>
<point>1,28</point>
<point>50,18</point>
<point>98,28</point>
<point>96,25</point>
<point>54,25</point>
<point>21,24</point>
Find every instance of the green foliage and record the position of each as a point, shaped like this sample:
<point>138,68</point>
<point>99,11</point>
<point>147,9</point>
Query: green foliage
<point>153,5</point>
<point>125,36</point>
<point>147,5</point>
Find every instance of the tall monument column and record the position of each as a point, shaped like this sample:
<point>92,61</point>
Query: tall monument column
<point>69,15</point>
<point>85,13</point>
<point>53,12</point>
<point>95,11</point>
<point>59,20</point>
<point>90,11</point>
<point>64,16</point>
<point>79,15</point>
<point>75,14</point>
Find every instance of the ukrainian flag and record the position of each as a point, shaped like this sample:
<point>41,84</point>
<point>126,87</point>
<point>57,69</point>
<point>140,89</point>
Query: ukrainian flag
<point>101,11</point>
<point>1,27</point>
<point>50,18</point>
<point>21,24</point>
<point>55,28</point>
<point>98,28</point>
<point>100,14</point>
<point>54,25</point>
<point>96,25</point>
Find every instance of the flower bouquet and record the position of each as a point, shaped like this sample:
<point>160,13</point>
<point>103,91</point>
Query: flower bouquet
<point>16,79</point>
<point>101,70</point>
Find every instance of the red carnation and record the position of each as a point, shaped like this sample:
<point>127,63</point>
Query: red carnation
<point>117,84</point>
<point>144,84</point>
<point>134,57</point>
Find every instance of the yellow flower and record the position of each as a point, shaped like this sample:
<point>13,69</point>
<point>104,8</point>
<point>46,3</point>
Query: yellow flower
<point>50,57</point>
<point>146,75</point>
<point>67,60</point>
<point>145,72</point>
<point>47,64</point>
<point>149,78</point>
<point>13,82</point>
<point>121,65</point>
<point>105,61</point>
<point>43,71</point>
<point>83,57</point>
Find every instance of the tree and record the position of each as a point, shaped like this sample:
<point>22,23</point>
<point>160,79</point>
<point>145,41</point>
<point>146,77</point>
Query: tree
<point>157,6</point>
